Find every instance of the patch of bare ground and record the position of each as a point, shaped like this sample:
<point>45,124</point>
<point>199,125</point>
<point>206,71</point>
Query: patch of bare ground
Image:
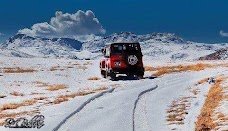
<point>178,110</point>
<point>94,78</point>
<point>15,93</point>
<point>63,98</point>
<point>205,120</point>
<point>17,70</point>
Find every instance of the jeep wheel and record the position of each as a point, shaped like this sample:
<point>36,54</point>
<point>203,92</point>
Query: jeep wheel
<point>140,75</point>
<point>112,76</point>
<point>103,74</point>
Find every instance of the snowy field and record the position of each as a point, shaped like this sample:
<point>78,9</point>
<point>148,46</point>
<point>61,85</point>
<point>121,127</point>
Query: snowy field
<point>73,97</point>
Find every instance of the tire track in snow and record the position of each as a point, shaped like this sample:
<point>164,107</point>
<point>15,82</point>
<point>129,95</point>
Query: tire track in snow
<point>82,106</point>
<point>136,102</point>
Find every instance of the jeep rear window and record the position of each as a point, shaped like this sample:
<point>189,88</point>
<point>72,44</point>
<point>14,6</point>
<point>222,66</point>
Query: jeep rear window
<point>121,48</point>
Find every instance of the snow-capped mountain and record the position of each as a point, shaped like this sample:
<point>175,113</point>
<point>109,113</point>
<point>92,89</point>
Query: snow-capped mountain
<point>158,46</point>
<point>97,44</point>
<point>155,46</point>
<point>26,46</point>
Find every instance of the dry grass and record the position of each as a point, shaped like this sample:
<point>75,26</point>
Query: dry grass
<point>101,88</point>
<point>215,95</point>
<point>179,68</point>
<point>51,87</point>
<point>17,70</point>
<point>14,93</point>
<point>40,98</point>
<point>63,98</point>
<point>10,106</point>
<point>149,68</point>
<point>56,87</point>
<point>178,110</point>
<point>201,81</point>
<point>94,78</point>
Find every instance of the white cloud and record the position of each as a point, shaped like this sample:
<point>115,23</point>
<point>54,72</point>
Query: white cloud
<point>68,25</point>
<point>1,34</point>
<point>223,34</point>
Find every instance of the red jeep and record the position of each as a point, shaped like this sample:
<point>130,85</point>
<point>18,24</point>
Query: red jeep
<point>122,58</point>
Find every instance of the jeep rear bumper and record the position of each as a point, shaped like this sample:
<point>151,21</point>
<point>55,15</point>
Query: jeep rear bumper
<point>132,70</point>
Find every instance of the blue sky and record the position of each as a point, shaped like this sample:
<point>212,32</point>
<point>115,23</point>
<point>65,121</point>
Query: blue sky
<point>196,20</point>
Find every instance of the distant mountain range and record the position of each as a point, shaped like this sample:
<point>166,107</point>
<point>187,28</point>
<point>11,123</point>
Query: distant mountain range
<point>155,46</point>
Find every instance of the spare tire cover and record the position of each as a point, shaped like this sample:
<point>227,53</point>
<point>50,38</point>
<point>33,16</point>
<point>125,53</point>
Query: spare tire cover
<point>132,60</point>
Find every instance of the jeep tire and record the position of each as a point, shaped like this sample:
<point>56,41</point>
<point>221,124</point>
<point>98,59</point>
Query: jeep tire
<point>103,74</point>
<point>112,75</point>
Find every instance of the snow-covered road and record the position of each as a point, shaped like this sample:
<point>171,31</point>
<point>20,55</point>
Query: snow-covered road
<point>113,111</point>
